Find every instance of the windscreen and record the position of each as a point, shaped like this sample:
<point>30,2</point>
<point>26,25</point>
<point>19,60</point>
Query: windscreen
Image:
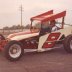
<point>36,25</point>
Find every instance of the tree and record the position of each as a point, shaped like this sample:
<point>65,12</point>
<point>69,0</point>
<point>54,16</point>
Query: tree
<point>27,26</point>
<point>6,28</point>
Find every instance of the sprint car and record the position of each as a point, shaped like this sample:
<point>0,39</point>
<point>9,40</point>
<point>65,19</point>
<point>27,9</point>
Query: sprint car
<point>37,38</point>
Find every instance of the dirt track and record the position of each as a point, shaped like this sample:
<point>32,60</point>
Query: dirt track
<point>56,60</point>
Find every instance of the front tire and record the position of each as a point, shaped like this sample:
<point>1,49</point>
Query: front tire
<point>68,44</point>
<point>13,51</point>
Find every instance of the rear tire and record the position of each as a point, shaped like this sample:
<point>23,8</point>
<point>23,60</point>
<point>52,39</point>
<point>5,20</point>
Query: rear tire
<point>13,51</point>
<point>68,44</point>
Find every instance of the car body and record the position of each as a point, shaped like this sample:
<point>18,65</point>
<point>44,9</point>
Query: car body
<point>38,38</point>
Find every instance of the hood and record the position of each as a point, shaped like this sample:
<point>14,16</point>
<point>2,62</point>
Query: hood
<point>22,35</point>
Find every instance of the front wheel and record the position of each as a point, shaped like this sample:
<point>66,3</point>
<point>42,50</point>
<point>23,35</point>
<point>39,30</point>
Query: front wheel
<point>68,44</point>
<point>13,51</point>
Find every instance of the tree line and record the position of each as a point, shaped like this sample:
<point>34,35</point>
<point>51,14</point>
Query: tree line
<point>17,27</point>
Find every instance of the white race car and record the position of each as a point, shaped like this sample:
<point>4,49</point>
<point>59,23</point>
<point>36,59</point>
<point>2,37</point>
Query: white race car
<point>45,32</point>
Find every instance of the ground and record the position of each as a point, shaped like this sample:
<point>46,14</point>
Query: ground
<point>57,60</point>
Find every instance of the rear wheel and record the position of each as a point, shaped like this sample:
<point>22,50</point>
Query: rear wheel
<point>13,51</point>
<point>68,44</point>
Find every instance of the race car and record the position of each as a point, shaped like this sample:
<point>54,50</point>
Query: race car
<point>41,37</point>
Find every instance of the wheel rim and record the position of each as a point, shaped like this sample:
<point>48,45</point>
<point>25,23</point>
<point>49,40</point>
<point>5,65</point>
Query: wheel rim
<point>71,44</point>
<point>15,51</point>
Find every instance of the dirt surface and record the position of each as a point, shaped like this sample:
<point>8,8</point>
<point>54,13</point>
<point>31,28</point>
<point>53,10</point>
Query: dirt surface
<point>56,60</point>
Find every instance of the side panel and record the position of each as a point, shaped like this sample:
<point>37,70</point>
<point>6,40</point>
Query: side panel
<point>48,40</point>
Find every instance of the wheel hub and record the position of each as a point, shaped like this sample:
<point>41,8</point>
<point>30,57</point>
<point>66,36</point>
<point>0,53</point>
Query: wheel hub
<point>13,51</point>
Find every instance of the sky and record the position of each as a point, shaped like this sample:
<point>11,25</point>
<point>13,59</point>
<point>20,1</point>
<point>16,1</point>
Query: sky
<point>10,10</point>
